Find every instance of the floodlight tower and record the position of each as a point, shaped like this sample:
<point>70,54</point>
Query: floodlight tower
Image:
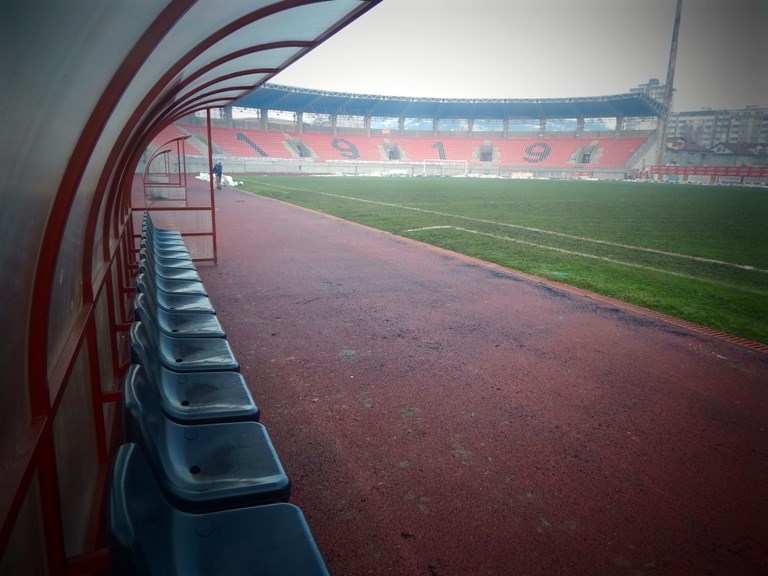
<point>668,87</point>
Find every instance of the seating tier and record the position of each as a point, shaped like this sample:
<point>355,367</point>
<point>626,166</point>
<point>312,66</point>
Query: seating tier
<point>534,152</point>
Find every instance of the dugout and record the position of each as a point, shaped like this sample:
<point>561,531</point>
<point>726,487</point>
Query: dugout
<point>88,84</point>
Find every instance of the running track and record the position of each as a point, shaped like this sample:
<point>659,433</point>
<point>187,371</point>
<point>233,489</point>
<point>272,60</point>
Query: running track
<point>443,417</point>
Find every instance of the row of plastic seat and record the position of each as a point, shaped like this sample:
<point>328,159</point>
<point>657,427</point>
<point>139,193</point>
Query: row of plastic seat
<point>198,487</point>
<point>549,152</point>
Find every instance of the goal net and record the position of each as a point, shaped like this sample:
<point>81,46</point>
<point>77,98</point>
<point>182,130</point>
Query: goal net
<point>437,167</point>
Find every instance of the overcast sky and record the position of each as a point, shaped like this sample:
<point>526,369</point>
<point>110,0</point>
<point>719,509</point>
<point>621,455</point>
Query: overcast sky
<point>546,49</point>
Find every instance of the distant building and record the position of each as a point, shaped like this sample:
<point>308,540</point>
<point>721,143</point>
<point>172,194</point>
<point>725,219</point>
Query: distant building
<point>681,152</point>
<point>711,127</point>
<point>653,88</point>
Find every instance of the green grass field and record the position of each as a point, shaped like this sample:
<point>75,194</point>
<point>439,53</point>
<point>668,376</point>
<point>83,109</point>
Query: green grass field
<point>699,253</point>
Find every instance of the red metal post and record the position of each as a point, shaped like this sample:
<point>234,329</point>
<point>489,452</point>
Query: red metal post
<point>213,195</point>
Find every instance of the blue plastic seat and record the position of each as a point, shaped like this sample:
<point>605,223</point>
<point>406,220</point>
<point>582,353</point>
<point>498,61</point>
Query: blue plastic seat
<point>148,536</point>
<point>161,245</point>
<point>172,273</point>
<point>164,241</point>
<point>149,228</point>
<point>173,302</point>
<point>205,467</point>
<point>185,354</point>
<point>181,268</point>
<point>174,249</point>
<point>185,324</point>
<point>194,397</point>
<point>162,237</point>
<point>173,286</point>
<point>162,262</point>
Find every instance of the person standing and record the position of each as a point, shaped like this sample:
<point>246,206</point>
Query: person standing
<point>217,169</point>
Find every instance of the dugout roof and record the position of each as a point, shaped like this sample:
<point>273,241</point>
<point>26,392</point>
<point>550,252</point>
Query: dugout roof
<point>286,98</point>
<point>87,84</point>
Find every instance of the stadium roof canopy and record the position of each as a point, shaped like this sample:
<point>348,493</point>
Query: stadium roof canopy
<point>286,98</point>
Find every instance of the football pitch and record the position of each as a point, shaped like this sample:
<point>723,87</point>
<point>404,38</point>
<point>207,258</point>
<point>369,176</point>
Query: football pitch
<point>698,253</point>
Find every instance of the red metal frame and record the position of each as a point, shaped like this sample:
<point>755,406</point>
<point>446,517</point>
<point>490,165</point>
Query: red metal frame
<point>210,187</point>
<point>30,453</point>
<point>181,182</point>
<point>22,464</point>
<point>36,453</point>
<point>163,150</point>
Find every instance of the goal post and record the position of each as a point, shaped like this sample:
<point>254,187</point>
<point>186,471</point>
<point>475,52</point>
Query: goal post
<point>437,167</point>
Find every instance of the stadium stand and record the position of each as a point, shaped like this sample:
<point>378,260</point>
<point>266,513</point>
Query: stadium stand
<point>250,143</point>
<point>327,147</point>
<point>176,131</point>
<point>419,148</point>
<point>618,151</point>
<point>534,152</point>
<point>549,152</point>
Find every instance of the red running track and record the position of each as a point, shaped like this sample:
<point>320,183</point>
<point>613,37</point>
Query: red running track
<point>441,416</point>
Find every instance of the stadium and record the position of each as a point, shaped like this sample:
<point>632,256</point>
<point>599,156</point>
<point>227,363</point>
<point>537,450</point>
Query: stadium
<point>415,146</point>
<point>337,133</point>
<point>404,335</point>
